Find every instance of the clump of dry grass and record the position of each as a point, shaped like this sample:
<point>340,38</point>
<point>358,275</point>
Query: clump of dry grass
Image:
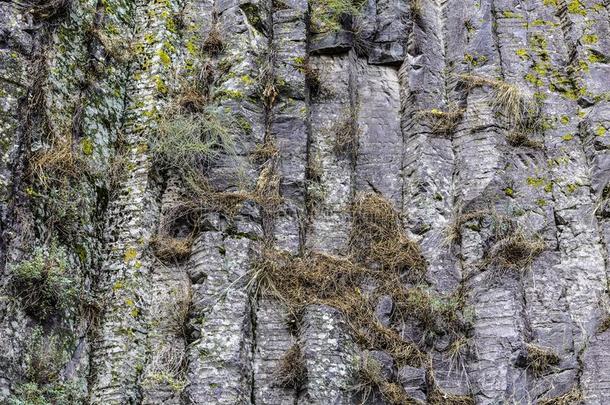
<point>291,371</point>
<point>179,313</point>
<point>572,397</point>
<point>453,233</point>
<point>315,278</point>
<point>170,249</point>
<point>540,359</point>
<point>443,122</point>
<point>604,325</point>
<point>438,397</point>
<point>370,378</point>
<point>516,250</point>
<point>267,192</point>
<point>56,162</point>
<point>345,134</point>
<point>520,111</point>
<point>265,151</point>
<point>45,10</point>
<point>213,43</point>
<point>513,248</point>
<point>521,139</point>
<point>166,367</point>
<point>377,237</point>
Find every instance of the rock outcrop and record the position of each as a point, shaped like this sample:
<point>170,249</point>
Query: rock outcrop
<point>292,202</point>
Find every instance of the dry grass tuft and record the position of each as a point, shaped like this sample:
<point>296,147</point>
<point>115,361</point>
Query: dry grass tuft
<point>438,397</point>
<point>370,378</point>
<point>604,325</point>
<point>265,151</point>
<point>345,135</point>
<point>521,139</point>
<point>515,250</point>
<point>453,233</point>
<point>443,122</point>
<point>572,397</point>
<point>46,10</point>
<point>171,249</point>
<point>315,278</point>
<point>213,43</point>
<point>56,162</point>
<point>540,359</point>
<point>291,371</point>
<point>377,238</point>
<point>519,110</point>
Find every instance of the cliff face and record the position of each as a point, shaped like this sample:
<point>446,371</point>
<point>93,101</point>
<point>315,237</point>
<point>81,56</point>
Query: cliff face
<point>283,202</point>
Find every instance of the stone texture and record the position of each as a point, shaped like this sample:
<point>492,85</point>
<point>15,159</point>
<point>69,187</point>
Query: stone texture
<point>99,77</point>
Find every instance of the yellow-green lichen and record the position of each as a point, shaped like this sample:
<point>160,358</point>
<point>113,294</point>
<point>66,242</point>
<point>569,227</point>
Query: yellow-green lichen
<point>590,39</point>
<point>87,146</point>
<point>130,254</point>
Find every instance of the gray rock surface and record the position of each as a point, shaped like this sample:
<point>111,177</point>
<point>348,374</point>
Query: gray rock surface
<point>484,124</point>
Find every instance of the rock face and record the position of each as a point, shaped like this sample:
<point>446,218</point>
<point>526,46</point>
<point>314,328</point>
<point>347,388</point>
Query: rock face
<point>283,202</point>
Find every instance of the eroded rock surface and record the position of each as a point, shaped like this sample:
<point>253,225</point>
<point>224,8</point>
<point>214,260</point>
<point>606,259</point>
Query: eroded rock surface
<point>162,162</point>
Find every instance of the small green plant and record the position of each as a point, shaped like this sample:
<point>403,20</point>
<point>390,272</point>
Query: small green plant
<point>328,15</point>
<point>189,142</point>
<point>45,356</point>
<point>46,282</point>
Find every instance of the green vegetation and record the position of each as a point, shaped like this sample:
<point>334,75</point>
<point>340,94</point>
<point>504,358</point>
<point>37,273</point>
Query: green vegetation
<point>46,283</point>
<point>189,142</point>
<point>45,357</point>
<point>327,15</point>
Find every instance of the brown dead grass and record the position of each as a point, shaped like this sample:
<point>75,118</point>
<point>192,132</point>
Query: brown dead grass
<point>317,278</point>
<point>264,151</point>
<point>370,378</point>
<point>521,139</point>
<point>516,250</point>
<point>45,10</point>
<point>520,111</point>
<point>540,359</point>
<point>572,397</point>
<point>443,122</point>
<point>213,43</point>
<point>170,249</point>
<point>57,161</point>
<point>291,371</point>
<point>377,238</point>
<point>345,134</point>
